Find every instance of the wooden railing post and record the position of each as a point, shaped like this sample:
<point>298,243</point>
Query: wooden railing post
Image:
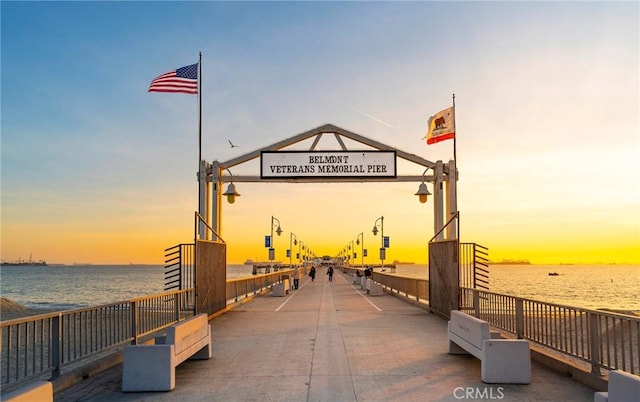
<point>594,343</point>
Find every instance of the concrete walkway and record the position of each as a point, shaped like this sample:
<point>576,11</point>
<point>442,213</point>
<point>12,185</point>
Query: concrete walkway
<point>328,341</point>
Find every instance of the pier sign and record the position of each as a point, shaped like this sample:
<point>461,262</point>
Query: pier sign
<point>327,164</point>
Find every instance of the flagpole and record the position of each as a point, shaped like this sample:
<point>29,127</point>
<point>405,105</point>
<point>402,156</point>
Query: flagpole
<point>455,159</point>
<point>200,110</point>
<point>455,167</point>
<point>201,171</point>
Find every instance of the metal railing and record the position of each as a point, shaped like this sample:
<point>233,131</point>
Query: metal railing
<point>409,288</point>
<point>46,343</point>
<point>239,289</point>
<point>474,272</point>
<point>474,266</point>
<point>178,269</point>
<point>602,339</point>
<point>414,289</point>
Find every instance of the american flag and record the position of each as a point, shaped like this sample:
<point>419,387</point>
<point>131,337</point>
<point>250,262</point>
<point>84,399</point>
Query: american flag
<point>183,79</point>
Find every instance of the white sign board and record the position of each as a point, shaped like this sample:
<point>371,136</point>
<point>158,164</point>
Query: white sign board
<point>327,164</point>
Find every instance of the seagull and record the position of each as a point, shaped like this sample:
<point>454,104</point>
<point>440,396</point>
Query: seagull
<point>232,144</point>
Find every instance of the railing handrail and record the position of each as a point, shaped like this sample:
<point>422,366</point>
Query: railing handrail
<point>142,318</point>
<point>37,345</point>
<point>536,321</point>
<point>593,336</point>
<point>90,308</point>
<point>581,309</point>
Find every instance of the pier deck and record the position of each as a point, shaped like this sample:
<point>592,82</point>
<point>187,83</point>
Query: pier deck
<point>328,342</point>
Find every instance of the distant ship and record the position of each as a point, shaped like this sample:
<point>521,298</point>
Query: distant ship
<point>21,262</point>
<point>511,262</point>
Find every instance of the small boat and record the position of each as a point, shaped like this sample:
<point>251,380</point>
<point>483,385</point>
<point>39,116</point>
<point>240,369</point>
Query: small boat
<point>553,274</point>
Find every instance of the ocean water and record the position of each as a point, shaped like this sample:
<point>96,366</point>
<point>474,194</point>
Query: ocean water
<point>63,287</point>
<point>615,287</point>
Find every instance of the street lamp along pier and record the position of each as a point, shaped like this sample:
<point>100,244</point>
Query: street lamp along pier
<point>423,192</point>
<point>231,192</point>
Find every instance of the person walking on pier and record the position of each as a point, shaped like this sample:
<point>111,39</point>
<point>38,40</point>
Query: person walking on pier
<point>367,272</point>
<point>296,278</point>
<point>312,273</point>
<point>330,273</point>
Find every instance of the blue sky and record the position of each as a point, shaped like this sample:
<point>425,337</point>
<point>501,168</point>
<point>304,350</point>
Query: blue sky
<point>547,110</point>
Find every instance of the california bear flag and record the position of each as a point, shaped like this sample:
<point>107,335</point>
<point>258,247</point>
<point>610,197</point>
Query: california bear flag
<point>442,126</point>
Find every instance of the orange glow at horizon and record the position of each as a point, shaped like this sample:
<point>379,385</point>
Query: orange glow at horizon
<point>327,218</point>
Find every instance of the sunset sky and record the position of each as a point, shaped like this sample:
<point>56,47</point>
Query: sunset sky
<point>97,170</point>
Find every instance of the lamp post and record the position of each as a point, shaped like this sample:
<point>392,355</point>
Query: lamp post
<point>351,253</point>
<point>272,250</point>
<point>291,244</point>
<point>361,243</point>
<point>231,192</point>
<point>375,232</point>
<point>423,192</point>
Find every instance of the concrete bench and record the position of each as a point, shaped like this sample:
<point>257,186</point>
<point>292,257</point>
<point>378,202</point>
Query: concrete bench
<point>152,367</point>
<point>281,288</point>
<point>503,361</point>
<point>623,387</point>
<point>374,289</point>
<point>40,391</point>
